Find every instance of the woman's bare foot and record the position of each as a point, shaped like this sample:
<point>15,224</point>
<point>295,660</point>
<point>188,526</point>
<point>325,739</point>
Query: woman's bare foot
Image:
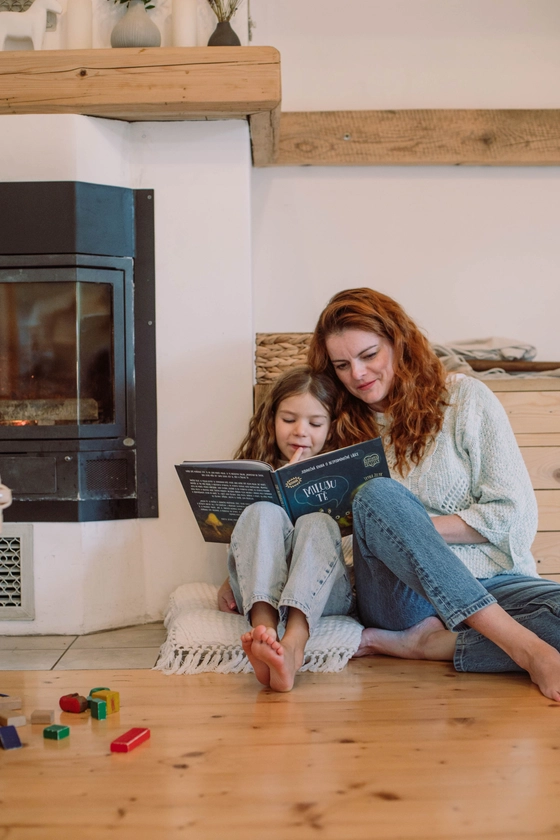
<point>426,640</point>
<point>282,660</point>
<point>543,665</point>
<point>254,638</point>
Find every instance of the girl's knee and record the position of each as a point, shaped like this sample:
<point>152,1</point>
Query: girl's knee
<point>317,521</point>
<point>263,511</point>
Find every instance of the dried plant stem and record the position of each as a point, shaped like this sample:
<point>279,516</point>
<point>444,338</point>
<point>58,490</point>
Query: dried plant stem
<point>224,9</point>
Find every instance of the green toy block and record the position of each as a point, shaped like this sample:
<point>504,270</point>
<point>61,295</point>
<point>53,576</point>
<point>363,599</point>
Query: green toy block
<point>101,688</point>
<point>56,732</point>
<point>98,708</point>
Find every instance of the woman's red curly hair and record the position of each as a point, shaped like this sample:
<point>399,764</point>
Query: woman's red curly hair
<point>418,394</point>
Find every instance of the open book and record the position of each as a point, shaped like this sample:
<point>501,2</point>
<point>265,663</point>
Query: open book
<point>219,491</point>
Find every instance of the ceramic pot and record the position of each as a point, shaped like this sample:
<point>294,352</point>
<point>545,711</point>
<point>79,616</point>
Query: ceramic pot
<point>224,36</point>
<point>135,29</point>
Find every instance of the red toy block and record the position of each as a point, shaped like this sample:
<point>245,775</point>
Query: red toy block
<point>130,740</point>
<point>74,703</point>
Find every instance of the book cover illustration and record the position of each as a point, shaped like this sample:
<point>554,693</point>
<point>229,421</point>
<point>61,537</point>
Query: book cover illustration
<point>328,483</point>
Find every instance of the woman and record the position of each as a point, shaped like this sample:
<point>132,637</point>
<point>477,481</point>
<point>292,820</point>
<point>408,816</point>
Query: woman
<point>442,553</point>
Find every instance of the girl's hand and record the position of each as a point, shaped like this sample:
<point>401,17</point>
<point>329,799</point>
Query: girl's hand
<point>226,601</point>
<point>296,456</point>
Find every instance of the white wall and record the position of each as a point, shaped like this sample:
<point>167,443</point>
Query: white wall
<point>469,252</point>
<point>100,574</point>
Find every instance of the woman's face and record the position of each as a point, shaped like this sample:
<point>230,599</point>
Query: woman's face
<point>363,362</point>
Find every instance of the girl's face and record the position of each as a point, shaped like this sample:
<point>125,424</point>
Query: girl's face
<point>363,362</point>
<point>301,422</point>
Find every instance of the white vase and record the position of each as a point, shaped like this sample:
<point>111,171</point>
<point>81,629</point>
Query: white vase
<point>184,23</point>
<point>78,25</point>
<point>135,29</point>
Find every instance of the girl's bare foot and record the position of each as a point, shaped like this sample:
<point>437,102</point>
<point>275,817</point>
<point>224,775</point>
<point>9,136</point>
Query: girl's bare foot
<point>254,637</point>
<point>282,660</point>
<point>426,640</point>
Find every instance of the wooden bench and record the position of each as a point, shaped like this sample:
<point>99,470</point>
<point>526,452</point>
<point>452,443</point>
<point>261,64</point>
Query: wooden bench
<point>533,408</point>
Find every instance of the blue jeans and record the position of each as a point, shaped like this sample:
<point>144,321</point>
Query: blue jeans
<point>405,572</point>
<point>287,566</point>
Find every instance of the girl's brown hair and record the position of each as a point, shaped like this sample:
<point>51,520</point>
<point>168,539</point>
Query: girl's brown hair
<point>417,397</point>
<point>260,441</point>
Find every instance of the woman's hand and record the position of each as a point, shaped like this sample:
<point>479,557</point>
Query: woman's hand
<point>226,601</point>
<point>455,530</point>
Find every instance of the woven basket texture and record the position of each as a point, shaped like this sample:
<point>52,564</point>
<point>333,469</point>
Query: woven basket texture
<point>278,352</point>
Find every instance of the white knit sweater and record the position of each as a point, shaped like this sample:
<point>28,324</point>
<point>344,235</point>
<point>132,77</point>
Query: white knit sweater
<point>474,469</point>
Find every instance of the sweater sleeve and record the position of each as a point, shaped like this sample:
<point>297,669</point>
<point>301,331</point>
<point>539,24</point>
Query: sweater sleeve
<point>504,509</point>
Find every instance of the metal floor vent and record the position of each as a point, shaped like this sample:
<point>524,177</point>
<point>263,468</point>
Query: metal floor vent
<point>16,573</point>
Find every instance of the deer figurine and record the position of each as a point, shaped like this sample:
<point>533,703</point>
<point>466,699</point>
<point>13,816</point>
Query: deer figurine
<point>5,494</point>
<point>29,24</point>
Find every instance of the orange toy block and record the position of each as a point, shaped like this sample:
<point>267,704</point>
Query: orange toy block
<point>112,698</point>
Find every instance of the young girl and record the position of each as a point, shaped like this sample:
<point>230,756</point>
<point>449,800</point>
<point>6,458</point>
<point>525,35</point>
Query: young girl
<point>278,571</point>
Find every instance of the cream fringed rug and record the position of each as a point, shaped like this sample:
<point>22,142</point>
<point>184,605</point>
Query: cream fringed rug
<point>201,638</point>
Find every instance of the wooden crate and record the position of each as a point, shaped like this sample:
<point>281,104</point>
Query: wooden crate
<point>533,408</point>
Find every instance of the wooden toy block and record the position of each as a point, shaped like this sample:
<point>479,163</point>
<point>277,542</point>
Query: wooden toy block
<point>42,716</point>
<point>12,720</point>
<point>56,732</point>
<point>7,702</point>
<point>112,698</point>
<point>130,740</point>
<point>98,708</point>
<point>74,703</point>
<point>9,738</point>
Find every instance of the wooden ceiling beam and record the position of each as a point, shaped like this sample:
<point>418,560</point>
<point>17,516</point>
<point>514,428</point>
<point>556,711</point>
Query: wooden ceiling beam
<point>419,137</point>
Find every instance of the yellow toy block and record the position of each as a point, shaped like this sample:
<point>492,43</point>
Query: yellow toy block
<point>112,698</point>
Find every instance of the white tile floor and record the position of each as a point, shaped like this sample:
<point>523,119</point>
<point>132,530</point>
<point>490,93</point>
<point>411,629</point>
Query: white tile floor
<point>129,647</point>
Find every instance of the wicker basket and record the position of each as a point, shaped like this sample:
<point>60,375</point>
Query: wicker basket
<point>278,352</point>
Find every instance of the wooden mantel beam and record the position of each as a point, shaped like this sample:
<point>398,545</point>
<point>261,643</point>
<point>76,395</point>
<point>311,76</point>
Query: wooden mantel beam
<point>163,83</point>
<point>419,137</point>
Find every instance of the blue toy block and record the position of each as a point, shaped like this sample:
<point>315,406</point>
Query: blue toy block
<point>9,738</point>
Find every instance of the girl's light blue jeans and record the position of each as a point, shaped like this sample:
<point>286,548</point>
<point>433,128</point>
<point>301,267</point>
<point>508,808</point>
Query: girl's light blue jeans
<point>287,566</point>
<point>405,572</point>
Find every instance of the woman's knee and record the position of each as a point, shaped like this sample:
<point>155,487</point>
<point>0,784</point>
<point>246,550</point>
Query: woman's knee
<point>384,494</point>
